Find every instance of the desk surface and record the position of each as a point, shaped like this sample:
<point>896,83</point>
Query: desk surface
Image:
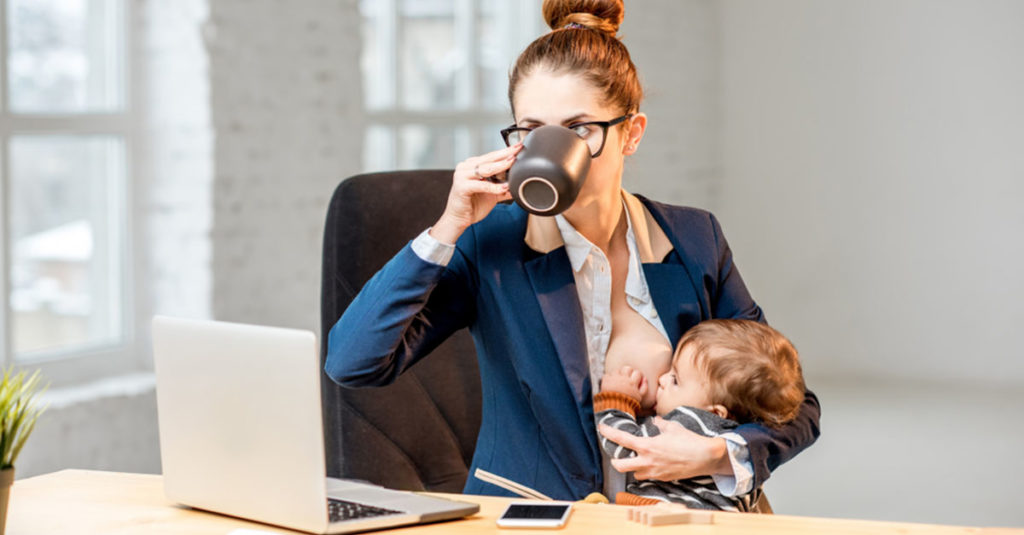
<point>76,501</point>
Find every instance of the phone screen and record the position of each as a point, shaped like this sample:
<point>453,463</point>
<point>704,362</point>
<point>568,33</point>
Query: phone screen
<point>535,515</point>
<point>550,512</point>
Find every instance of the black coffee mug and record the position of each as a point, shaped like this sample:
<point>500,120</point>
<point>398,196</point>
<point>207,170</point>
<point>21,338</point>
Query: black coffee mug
<point>550,170</point>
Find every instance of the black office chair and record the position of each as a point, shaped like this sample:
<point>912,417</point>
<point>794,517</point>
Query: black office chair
<point>418,433</point>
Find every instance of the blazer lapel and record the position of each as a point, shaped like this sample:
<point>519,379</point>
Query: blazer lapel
<point>554,286</point>
<point>555,289</point>
<point>674,297</point>
<point>676,289</point>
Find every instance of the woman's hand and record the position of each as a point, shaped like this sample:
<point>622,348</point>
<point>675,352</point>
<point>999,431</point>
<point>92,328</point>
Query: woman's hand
<point>473,195</point>
<point>677,453</point>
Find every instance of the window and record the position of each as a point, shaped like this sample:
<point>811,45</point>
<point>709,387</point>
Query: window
<point>435,74</point>
<point>64,172</point>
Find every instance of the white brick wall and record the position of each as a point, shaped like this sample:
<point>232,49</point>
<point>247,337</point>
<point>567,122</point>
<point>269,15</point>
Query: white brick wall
<point>288,125</point>
<point>175,171</point>
<point>107,425</point>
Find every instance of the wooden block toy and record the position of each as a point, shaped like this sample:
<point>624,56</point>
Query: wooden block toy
<point>665,518</point>
<point>667,514</point>
<point>701,516</point>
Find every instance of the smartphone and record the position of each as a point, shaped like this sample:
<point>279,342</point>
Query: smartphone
<point>535,515</point>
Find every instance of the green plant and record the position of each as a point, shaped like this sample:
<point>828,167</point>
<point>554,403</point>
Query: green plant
<point>18,413</point>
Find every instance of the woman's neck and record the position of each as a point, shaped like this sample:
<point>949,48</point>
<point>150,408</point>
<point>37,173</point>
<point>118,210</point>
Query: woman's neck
<point>599,220</point>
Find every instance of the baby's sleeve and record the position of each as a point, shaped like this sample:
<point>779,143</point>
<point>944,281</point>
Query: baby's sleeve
<point>618,411</point>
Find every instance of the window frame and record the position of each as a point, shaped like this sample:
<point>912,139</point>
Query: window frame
<point>80,363</point>
<point>474,117</point>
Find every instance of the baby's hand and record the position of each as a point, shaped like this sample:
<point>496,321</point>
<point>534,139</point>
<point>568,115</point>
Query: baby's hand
<point>625,381</point>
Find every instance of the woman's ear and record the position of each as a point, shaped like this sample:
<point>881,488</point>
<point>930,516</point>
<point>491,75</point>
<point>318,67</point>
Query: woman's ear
<point>634,133</point>
<point>720,410</point>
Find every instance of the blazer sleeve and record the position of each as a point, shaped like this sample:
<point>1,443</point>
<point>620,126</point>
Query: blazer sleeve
<point>769,447</point>
<point>401,314</point>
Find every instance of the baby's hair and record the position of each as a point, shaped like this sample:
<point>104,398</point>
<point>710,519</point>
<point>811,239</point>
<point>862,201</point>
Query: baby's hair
<point>752,369</point>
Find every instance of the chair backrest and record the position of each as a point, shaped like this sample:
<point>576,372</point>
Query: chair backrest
<point>418,433</point>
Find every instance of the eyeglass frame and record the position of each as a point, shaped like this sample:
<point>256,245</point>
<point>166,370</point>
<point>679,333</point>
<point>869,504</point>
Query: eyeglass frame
<point>604,125</point>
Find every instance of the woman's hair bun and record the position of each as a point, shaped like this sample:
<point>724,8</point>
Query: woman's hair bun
<point>602,15</point>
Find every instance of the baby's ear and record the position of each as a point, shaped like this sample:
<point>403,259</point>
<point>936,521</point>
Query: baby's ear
<point>720,410</point>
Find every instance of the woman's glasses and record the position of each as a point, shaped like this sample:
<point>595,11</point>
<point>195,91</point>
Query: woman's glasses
<point>593,132</point>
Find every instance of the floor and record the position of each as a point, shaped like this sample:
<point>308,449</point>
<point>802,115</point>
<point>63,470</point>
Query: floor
<point>919,453</point>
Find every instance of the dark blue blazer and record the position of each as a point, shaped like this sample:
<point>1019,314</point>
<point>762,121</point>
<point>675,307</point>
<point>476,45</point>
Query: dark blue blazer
<point>521,306</point>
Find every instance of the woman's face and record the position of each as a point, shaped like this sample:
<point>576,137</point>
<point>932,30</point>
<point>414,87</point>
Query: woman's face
<point>565,99</point>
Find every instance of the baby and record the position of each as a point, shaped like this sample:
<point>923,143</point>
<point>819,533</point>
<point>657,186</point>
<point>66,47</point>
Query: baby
<point>723,373</point>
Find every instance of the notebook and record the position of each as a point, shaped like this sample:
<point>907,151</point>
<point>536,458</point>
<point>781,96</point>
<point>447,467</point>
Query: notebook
<point>241,433</point>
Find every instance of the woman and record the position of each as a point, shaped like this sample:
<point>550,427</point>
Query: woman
<point>550,300</point>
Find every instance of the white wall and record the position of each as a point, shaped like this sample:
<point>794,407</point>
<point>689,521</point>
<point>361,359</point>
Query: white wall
<point>866,160</point>
<point>674,45</point>
<point>873,187</point>
<point>873,192</point>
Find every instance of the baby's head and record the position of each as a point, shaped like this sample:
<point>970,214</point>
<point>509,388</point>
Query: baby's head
<point>739,369</point>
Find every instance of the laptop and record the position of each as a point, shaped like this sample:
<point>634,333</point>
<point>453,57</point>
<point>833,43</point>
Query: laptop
<point>241,433</point>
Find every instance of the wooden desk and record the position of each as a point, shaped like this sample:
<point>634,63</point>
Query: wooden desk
<point>76,501</point>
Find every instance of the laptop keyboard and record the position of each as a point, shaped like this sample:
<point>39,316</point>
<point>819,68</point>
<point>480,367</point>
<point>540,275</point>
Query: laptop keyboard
<point>341,510</point>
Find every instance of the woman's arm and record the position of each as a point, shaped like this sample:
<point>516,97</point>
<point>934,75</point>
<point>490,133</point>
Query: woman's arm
<point>678,453</point>
<point>768,447</point>
<point>402,313</point>
<point>411,305</point>
<point>675,453</point>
